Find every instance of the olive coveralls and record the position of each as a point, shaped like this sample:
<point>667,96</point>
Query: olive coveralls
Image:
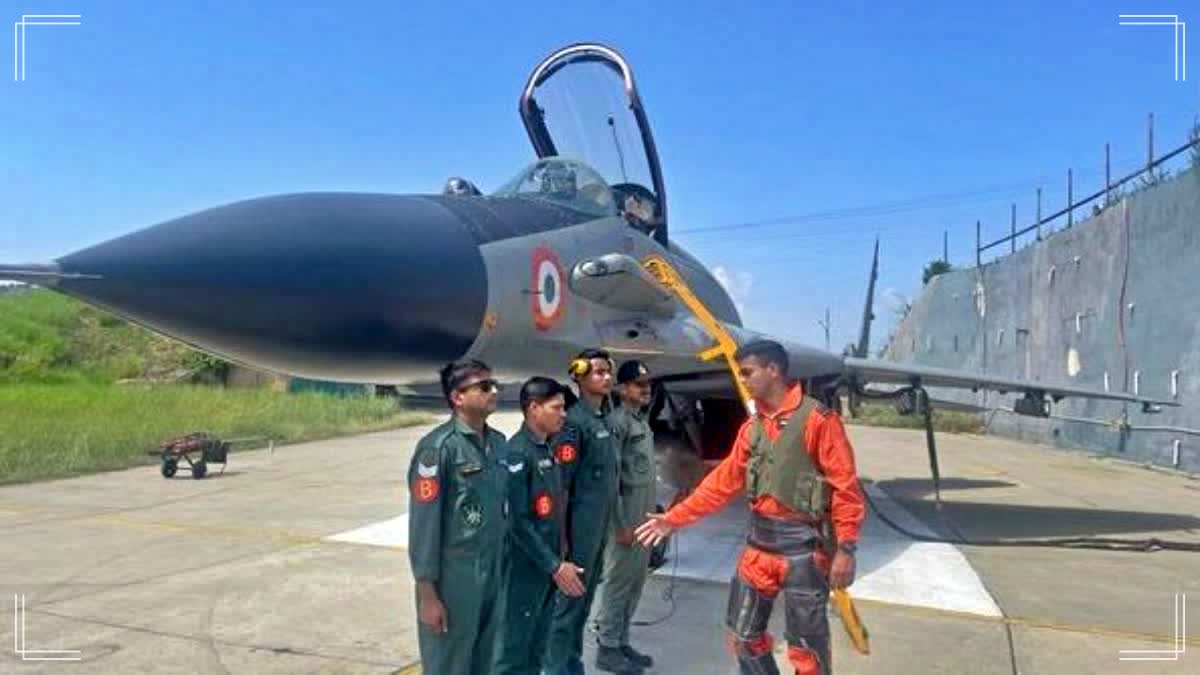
<point>626,567</point>
<point>458,537</point>
<point>537,505</point>
<point>587,455</point>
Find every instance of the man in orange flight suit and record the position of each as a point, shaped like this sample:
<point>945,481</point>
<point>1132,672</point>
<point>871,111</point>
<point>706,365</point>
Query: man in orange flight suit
<point>796,465</point>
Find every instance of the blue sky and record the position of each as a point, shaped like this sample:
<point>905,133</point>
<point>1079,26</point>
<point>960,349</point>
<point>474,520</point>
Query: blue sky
<point>849,119</point>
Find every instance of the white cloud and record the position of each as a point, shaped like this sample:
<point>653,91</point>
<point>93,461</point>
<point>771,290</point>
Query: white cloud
<point>736,284</point>
<point>894,299</point>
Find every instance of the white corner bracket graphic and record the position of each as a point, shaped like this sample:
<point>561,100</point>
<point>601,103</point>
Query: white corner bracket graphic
<point>1180,30</point>
<point>35,654</point>
<point>1178,647</point>
<point>35,20</point>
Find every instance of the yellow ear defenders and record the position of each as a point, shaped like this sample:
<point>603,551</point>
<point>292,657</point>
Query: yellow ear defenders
<point>581,367</point>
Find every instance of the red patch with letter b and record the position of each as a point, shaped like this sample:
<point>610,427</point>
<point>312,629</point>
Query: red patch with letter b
<point>543,506</point>
<point>425,490</point>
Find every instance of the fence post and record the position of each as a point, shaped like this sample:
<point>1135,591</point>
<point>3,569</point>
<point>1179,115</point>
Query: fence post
<point>978,245</point>
<point>1070,199</point>
<point>1039,215</point>
<point>1107,176</point>
<point>1150,145</point>
<point>1013,237</point>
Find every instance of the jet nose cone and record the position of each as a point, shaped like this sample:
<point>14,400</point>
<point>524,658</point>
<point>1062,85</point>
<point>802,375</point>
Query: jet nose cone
<point>373,288</point>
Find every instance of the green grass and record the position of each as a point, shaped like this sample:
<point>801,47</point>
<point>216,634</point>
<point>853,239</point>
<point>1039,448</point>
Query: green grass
<point>53,431</point>
<point>878,415</point>
<point>50,338</point>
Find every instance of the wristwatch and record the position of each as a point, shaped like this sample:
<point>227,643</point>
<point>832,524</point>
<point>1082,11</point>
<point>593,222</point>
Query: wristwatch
<point>848,547</point>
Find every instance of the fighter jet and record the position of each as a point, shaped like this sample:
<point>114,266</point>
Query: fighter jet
<point>383,288</point>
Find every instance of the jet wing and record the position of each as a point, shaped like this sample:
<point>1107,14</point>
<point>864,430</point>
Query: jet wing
<point>889,372</point>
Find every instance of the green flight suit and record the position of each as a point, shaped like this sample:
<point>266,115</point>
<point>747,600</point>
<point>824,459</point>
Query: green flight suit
<point>587,454</point>
<point>626,567</point>
<point>458,534</point>
<point>537,504</point>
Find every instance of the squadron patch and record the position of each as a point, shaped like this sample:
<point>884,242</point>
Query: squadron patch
<point>425,490</point>
<point>543,505</point>
<point>566,453</point>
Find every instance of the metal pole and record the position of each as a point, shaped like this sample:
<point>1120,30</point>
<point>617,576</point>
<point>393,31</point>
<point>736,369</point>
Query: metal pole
<point>945,246</point>
<point>1039,215</point>
<point>825,324</point>
<point>1150,144</point>
<point>978,244</point>
<point>1013,238</point>
<point>1070,199</point>
<point>1107,176</point>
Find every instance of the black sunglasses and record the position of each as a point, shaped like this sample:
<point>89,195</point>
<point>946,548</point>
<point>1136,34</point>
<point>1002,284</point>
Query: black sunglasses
<point>486,386</point>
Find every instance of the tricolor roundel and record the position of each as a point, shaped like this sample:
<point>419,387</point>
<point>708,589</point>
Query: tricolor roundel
<point>548,299</point>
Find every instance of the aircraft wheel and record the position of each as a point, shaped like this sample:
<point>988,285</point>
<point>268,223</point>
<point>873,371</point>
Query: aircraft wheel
<point>168,467</point>
<point>199,469</point>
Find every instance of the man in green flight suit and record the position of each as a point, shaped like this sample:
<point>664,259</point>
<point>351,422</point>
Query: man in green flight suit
<point>458,515</point>
<point>537,502</point>
<point>626,563</point>
<point>587,456</point>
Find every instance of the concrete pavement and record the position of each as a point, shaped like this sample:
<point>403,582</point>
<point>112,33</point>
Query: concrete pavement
<point>294,562</point>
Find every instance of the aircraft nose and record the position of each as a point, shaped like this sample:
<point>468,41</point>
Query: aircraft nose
<point>350,287</point>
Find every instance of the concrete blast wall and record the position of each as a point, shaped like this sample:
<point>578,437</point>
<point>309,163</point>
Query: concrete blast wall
<point>1112,302</point>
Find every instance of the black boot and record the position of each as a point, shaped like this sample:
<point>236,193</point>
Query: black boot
<point>637,657</point>
<point>613,660</point>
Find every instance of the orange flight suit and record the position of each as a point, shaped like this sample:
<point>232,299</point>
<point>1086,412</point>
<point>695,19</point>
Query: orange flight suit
<point>765,573</point>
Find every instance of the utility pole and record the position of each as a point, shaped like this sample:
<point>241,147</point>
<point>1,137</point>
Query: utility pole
<point>825,324</point>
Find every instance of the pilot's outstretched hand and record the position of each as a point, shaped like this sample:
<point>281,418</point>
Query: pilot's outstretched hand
<point>653,531</point>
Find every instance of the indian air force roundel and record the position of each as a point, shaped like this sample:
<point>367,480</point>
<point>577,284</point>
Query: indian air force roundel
<point>548,299</point>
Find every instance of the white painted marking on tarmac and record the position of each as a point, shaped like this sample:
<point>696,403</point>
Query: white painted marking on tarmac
<point>894,568</point>
<point>392,533</point>
<point>891,567</point>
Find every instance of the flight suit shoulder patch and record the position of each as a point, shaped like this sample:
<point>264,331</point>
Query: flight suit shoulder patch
<point>543,505</point>
<point>425,490</point>
<point>566,452</point>
<point>426,485</point>
<point>428,461</point>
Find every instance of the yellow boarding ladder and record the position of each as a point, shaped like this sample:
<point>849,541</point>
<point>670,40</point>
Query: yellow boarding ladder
<point>666,275</point>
